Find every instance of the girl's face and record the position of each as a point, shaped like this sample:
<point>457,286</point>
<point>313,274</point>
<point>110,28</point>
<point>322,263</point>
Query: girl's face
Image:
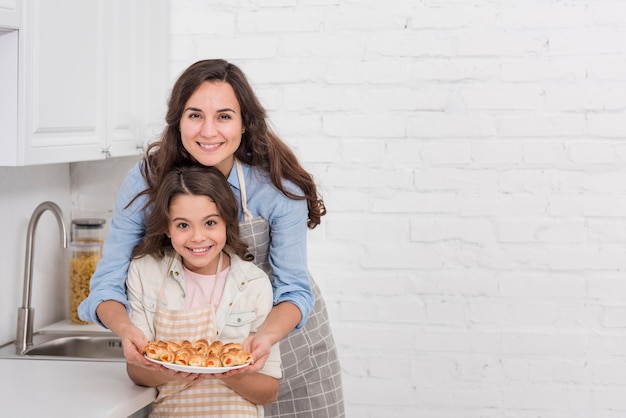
<point>211,125</point>
<point>197,231</point>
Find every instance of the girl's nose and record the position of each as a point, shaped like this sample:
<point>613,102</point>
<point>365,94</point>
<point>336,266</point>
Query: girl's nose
<point>198,235</point>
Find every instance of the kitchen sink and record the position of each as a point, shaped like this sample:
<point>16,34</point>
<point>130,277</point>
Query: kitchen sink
<point>52,346</point>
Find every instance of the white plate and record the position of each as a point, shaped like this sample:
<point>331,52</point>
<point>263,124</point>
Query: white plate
<point>194,369</point>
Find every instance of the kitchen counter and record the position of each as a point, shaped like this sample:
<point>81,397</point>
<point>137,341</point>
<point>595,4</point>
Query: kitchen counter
<point>58,388</point>
<point>68,388</point>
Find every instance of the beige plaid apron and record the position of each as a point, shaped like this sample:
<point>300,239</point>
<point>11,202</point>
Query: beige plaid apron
<point>311,386</point>
<point>209,398</point>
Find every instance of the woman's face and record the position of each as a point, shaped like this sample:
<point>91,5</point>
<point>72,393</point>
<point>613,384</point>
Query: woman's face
<point>211,125</point>
<point>197,231</point>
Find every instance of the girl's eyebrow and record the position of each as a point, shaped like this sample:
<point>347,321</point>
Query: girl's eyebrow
<point>209,216</point>
<point>180,219</point>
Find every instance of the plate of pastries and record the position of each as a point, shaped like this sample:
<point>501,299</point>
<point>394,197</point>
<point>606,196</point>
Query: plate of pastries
<point>198,356</point>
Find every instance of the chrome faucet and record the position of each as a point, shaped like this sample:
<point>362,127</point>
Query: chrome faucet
<point>25,314</point>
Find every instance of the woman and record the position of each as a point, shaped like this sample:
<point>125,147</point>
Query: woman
<point>215,119</point>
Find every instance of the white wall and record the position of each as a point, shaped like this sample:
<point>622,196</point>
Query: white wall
<point>22,189</point>
<point>472,158</point>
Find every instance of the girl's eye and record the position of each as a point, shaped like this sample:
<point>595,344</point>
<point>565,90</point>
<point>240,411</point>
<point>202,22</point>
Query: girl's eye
<point>211,223</point>
<point>182,225</point>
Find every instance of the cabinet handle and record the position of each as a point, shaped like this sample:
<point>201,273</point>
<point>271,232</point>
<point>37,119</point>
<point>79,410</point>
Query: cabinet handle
<point>107,152</point>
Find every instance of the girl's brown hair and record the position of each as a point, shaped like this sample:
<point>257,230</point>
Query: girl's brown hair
<point>260,146</point>
<point>192,181</point>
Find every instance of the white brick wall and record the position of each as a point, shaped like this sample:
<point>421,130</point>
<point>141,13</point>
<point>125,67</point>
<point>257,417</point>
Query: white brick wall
<point>472,155</point>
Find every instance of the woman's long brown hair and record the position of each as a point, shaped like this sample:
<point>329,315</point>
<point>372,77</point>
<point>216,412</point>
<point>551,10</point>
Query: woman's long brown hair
<point>260,146</point>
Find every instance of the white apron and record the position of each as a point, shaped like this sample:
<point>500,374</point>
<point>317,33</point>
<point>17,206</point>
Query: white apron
<point>209,398</point>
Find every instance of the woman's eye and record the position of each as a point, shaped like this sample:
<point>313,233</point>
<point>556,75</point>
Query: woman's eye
<point>225,116</point>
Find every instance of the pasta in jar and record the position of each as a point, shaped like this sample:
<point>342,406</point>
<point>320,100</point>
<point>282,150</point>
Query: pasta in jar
<point>86,246</point>
<point>82,266</point>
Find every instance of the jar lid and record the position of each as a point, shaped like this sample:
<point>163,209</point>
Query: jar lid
<point>88,223</point>
<point>85,246</point>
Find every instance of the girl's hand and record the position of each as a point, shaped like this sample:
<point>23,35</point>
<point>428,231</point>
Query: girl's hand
<point>168,375</point>
<point>185,377</point>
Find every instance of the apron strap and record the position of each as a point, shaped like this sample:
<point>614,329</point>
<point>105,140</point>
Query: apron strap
<point>247,215</point>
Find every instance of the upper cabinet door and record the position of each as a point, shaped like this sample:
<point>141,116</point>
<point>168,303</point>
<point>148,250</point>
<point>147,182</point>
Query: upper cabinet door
<point>64,80</point>
<point>10,17</point>
<point>123,78</point>
<point>83,74</point>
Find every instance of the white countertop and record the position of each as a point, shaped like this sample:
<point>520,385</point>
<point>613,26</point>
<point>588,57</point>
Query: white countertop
<point>67,389</point>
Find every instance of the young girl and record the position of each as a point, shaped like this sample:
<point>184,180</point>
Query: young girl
<point>191,278</point>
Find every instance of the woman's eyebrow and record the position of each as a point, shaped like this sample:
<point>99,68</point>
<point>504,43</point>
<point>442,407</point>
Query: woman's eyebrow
<point>195,109</point>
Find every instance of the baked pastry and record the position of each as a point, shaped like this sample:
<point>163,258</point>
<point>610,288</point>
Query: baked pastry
<point>201,346</point>
<point>182,356</point>
<point>168,357</point>
<point>231,346</point>
<point>235,358</point>
<point>198,354</point>
<point>197,360</point>
<point>213,361</point>
<point>154,352</point>
<point>173,346</point>
<point>215,349</point>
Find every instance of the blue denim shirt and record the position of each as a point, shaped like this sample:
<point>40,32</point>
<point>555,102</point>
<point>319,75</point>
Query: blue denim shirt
<point>288,256</point>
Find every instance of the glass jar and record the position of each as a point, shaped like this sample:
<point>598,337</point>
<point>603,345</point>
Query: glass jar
<point>87,239</point>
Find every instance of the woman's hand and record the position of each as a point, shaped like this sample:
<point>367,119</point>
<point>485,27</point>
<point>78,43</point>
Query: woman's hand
<point>113,315</point>
<point>259,346</point>
<point>133,342</point>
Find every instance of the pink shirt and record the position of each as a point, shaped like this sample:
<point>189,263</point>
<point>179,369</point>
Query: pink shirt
<point>200,287</point>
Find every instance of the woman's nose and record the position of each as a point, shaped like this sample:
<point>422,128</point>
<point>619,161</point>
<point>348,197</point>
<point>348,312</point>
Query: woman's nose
<point>208,129</point>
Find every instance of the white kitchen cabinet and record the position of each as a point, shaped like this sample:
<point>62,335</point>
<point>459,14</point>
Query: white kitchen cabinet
<point>92,80</point>
<point>10,14</point>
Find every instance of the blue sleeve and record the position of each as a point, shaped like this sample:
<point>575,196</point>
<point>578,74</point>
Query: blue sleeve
<point>288,255</point>
<point>126,230</point>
